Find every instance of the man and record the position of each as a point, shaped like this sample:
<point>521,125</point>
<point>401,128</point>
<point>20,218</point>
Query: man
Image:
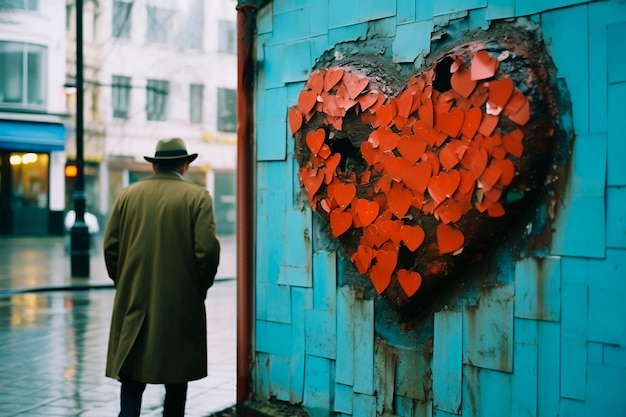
<point>162,253</point>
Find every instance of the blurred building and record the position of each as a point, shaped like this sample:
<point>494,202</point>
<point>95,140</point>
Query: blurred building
<point>32,116</point>
<point>155,69</point>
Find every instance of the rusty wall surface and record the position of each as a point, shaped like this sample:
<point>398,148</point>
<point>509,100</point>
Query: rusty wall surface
<point>536,326</point>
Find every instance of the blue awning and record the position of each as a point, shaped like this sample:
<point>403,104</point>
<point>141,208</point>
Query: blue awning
<point>32,136</point>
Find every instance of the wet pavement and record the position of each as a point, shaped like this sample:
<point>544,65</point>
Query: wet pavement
<point>54,333</point>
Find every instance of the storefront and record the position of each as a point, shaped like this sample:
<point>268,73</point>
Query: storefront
<point>32,184</point>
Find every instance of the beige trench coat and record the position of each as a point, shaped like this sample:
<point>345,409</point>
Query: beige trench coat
<point>161,251</point>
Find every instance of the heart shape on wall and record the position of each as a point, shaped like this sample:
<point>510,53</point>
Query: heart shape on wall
<point>417,178</point>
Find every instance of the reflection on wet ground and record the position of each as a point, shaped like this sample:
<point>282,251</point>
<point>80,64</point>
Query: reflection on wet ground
<point>53,352</point>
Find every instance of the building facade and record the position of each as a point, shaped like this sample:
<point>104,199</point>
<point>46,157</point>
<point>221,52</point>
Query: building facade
<point>156,69</point>
<point>32,117</point>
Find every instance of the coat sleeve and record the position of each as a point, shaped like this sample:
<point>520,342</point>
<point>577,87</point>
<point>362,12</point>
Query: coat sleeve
<point>207,246</point>
<point>111,243</point>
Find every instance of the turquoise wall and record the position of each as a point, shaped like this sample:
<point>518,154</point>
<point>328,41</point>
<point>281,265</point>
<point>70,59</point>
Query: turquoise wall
<point>548,340</point>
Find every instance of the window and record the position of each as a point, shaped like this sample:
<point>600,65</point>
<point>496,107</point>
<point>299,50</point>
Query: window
<point>121,19</point>
<point>191,33</point>
<point>160,22</point>
<point>196,95</point>
<point>20,4</point>
<point>23,80</point>
<point>121,96</point>
<point>226,37</point>
<point>156,107</point>
<point>226,110</point>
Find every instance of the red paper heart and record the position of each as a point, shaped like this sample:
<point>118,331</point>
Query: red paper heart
<point>444,185</point>
<point>315,140</point>
<point>340,222</point>
<point>410,281</point>
<point>343,193</point>
<point>412,182</point>
<point>367,211</point>
<point>449,239</point>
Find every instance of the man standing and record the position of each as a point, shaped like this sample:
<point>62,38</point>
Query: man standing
<point>162,253</point>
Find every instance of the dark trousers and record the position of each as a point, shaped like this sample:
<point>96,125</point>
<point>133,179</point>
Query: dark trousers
<point>132,392</point>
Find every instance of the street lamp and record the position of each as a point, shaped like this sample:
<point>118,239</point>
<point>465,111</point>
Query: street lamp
<point>79,233</point>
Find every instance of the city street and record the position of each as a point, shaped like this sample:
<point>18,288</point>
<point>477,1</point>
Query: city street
<point>54,333</point>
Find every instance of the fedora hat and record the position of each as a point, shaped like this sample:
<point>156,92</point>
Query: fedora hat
<point>171,150</point>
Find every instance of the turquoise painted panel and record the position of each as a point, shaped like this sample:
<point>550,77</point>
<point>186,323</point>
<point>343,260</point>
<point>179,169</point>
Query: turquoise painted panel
<point>424,10</point>
<point>607,292</point>
<point>345,336</point>
<point>616,146</point>
<point>406,11</point>
<point>524,380</point>
<point>297,65</point>
<point>526,7</point>
<point>294,275</point>
<point>301,299</point>
<point>279,371</point>
<point>565,32</point>
<point>573,237</point>
<point>605,391</point>
<point>487,328</point>
<point>319,45</point>
<point>271,337</point>
<point>283,6</point>
<point>297,241</point>
<point>370,10</point>
<point>538,288</point>
<point>616,217</point>
<point>525,331</point>
<point>572,408</point>
<point>450,6</point>
<point>270,235</point>
<point>343,13</point>
<point>486,393</point>
<point>278,303</point>
<point>317,377</point>
<point>318,12</point>
<point>574,341</point>
<point>364,347</point>
<point>265,19</point>
<point>412,40</point>
<point>324,281</point>
<point>595,353</point>
<point>363,405</point>
<point>574,271</point>
<point>291,26</point>
<point>273,57</point>
<point>597,72</point>
<point>411,370</point>
<point>343,399</point>
<point>271,140</point>
<point>478,19</point>
<point>548,352</point>
<point>385,28</point>
<point>274,105</point>
<point>321,333</point>
<point>500,9</point>
<point>271,175</point>
<point>261,376</point>
<point>260,302</point>
<point>384,375</point>
<point>615,356</point>
<point>347,33</point>
<point>448,361</point>
<point>588,166</point>
<point>615,35</point>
